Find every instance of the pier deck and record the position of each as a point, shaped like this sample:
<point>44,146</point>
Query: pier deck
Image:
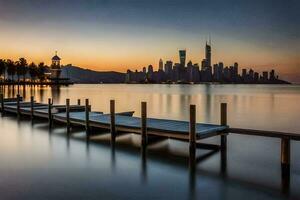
<point>43,111</point>
<point>12,107</point>
<point>159,127</point>
<point>38,109</point>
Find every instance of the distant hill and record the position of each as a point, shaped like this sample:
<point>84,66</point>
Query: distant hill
<point>80,75</point>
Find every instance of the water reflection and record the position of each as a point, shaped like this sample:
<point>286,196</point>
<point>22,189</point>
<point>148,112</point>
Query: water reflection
<point>144,164</point>
<point>208,173</point>
<point>285,180</point>
<point>113,156</point>
<point>55,93</point>
<point>192,173</point>
<point>223,163</point>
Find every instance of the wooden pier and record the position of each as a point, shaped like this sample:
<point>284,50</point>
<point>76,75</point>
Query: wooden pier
<point>115,123</point>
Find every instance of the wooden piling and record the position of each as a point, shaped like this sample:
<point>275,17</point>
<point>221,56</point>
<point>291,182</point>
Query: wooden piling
<point>223,123</point>
<point>285,153</point>
<point>2,102</point>
<point>87,117</point>
<point>68,114</point>
<point>18,105</point>
<point>144,123</point>
<point>192,128</point>
<point>31,106</point>
<point>50,112</point>
<point>78,102</point>
<point>112,121</point>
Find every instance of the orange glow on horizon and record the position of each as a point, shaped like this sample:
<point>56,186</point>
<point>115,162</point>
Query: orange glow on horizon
<point>135,53</point>
<point>122,62</point>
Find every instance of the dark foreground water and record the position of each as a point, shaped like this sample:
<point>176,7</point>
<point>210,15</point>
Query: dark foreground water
<point>38,163</point>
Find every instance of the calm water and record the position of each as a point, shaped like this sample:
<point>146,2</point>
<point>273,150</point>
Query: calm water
<point>47,164</point>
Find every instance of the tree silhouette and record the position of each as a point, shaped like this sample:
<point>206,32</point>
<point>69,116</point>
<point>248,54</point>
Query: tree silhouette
<point>2,68</point>
<point>22,68</point>
<point>33,71</point>
<point>11,68</point>
<point>41,71</point>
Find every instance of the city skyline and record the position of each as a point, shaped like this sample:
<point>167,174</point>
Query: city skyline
<point>114,35</point>
<point>208,71</point>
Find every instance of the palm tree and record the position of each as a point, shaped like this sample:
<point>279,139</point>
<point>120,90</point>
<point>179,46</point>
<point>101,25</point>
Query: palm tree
<point>22,68</point>
<point>33,71</point>
<point>3,68</point>
<point>41,71</point>
<point>18,70</point>
<point>11,68</point>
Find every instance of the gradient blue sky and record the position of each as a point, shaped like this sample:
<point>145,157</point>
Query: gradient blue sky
<point>121,34</point>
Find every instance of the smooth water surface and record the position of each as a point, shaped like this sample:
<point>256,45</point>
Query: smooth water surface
<point>42,163</point>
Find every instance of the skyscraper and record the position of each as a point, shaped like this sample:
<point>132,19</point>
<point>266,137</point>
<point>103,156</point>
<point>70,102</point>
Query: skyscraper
<point>235,72</point>
<point>265,75</point>
<point>216,72</point>
<point>208,54</point>
<point>244,74</point>
<point>161,65</point>
<point>220,69</point>
<point>272,75</point>
<point>150,73</point>
<point>182,57</point>
<point>150,69</point>
<point>168,67</point>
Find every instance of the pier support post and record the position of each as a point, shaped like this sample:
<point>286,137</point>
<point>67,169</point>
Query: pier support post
<point>78,102</point>
<point>285,155</point>
<point>2,103</point>
<point>68,114</point>
<point>31,106</point>
<point>144,123</point>
<point>224,123</point>
<point>87,118</point>
<point>18,105</point>
<point>50,112</point>
<point>112,121</point>
<point>192,133</point>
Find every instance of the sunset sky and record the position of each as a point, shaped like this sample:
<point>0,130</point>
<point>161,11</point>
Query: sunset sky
<point>121,34</point>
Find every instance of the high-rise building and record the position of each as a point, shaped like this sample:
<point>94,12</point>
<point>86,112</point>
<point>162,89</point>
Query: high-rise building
<point>190,71</point>
<point>182,57</point>
<point>196,73</point>
<point>244,74</point>
<point>272,75</point>
<point>150,73</point>
<point>216,72</point>
<point>168,67</point>
<point>226,74</point>
<point>161,65</point>
<point>221,69</point>
<point>251,74</point>
<point>208,54</point>
<point>256,76</point>
<point>234,72</point>
<point>265,75</point>
<point>150,69</point>
<point>203,64</point>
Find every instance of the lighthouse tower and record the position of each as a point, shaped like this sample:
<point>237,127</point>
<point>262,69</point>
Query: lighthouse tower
<point>55,67</point>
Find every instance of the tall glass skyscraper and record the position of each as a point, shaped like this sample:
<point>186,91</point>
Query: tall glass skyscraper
<point>182,57</point>
<point>208,54</point>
